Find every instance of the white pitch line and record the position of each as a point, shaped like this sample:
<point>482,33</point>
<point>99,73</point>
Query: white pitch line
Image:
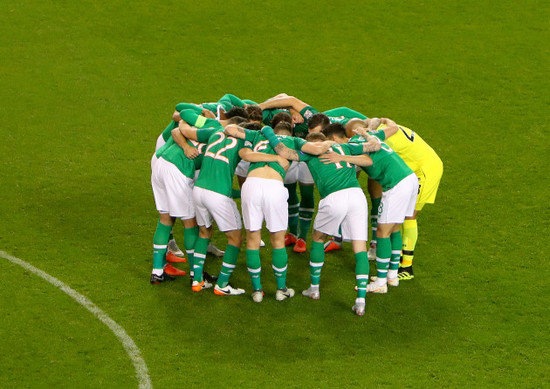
<point>132,350</point>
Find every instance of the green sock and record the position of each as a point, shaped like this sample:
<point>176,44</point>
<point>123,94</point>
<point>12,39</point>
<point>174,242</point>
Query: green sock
<point>361,273</point>
<point>198,258</point>
<point>307,207</point>
<point>160,241</point>
<point>280,265</point>
<point>229,261</point>
<point>293,206</point>
<point>235,193</point>
<point>316,261</point>
<point>383,254</point>
<point>375,204</point>
<point>254,265</point>
<point>189,240</point>
<point>396,246</point>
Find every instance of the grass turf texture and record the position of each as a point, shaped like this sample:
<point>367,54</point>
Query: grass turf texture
<point>86,89</point>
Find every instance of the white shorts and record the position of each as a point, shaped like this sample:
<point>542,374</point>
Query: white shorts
<point>221,208</point>
<point>399,201</point>
<point>291,176</point>
<point>263,198</point>
<point>160,142</point>
<point>173,191</point>
<point>242,168</point>
<point>304,175</point>
<point>347,208</point>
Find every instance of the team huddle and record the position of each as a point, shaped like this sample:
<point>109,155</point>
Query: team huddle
<point>273,148</point>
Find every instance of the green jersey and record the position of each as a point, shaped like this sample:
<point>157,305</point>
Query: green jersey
<point>220,160</point>
<point>261,144</point>
<point>388,169</point>
<point>174,154</point>
<point>301,130</point>
<point>167,133</point>
<point>193,107</point>
<point>332,177</point>
<point>343,115</point>
<point>227,102</point>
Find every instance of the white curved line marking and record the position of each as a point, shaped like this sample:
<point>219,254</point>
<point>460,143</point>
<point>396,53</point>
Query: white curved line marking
<point>132,350</point>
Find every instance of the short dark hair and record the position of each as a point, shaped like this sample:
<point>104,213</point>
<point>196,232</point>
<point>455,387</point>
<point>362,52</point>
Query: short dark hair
<point>318,119</point>
<point>281,117</point>
<point>316,137</point>
<point>236,120</point>
<point>254,112</point>
<point>283,127</point>
<point>236,111</point>
<point>335,129</point>
<point>253,126</point>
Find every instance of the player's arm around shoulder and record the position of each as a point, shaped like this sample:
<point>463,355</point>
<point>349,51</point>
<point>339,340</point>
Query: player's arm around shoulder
<point>254,156</point>
<point>362,160</point>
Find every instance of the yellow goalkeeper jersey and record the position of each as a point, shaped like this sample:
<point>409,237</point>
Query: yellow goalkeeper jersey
<point>416,153</point>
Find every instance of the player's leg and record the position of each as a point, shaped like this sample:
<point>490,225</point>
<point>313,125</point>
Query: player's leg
<point>160,243</point>
<point>428,183</point>
<point>273,199</point>
<point>375,193</point>
<point>191,234</point>
<point>383,255</point>
<point>204,220</point>
<point>307,206</point>
<point>291,183</point>
<point>280,265</point>
<point>251,206</point>
<point>410,236</point>
<point>234,242</point>
<point>396,247</point>
<point>164,191</point>
<point>316,262</point>
<point>253,263</point>
<point>355,228</point>
<point>361,274</point>
<point>293,213</point>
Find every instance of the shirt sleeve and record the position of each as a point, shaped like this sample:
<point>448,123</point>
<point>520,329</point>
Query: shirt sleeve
<point>204,134</point>
<point>193,107</point>
<point>249,143</point>
<point>354,148</point>
<point>192,118</point>
<point>299,143</point>
<point>379,134</point>
<point>308,112</point>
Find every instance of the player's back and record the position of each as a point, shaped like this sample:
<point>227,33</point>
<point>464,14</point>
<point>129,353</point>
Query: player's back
<point>332,177</point>
<point>220,160</point>
<point>411,148</point>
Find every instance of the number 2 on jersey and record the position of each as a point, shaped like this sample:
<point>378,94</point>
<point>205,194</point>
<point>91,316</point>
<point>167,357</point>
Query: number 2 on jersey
<point>218,154</point>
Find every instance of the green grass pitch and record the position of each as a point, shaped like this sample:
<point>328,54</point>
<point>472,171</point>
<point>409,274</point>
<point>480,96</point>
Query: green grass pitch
<point>87,86</point>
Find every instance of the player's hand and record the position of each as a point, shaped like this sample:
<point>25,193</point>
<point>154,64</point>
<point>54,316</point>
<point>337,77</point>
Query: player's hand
<point>208,114</point>
<point>176,116</point>
<point>374,123</point>
<point>331,157</point>
<point>283,162</point>
<point>361,132</point>
<point>191,152</point>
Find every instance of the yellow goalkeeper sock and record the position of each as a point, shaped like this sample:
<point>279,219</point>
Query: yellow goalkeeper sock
<point>410,235</point>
